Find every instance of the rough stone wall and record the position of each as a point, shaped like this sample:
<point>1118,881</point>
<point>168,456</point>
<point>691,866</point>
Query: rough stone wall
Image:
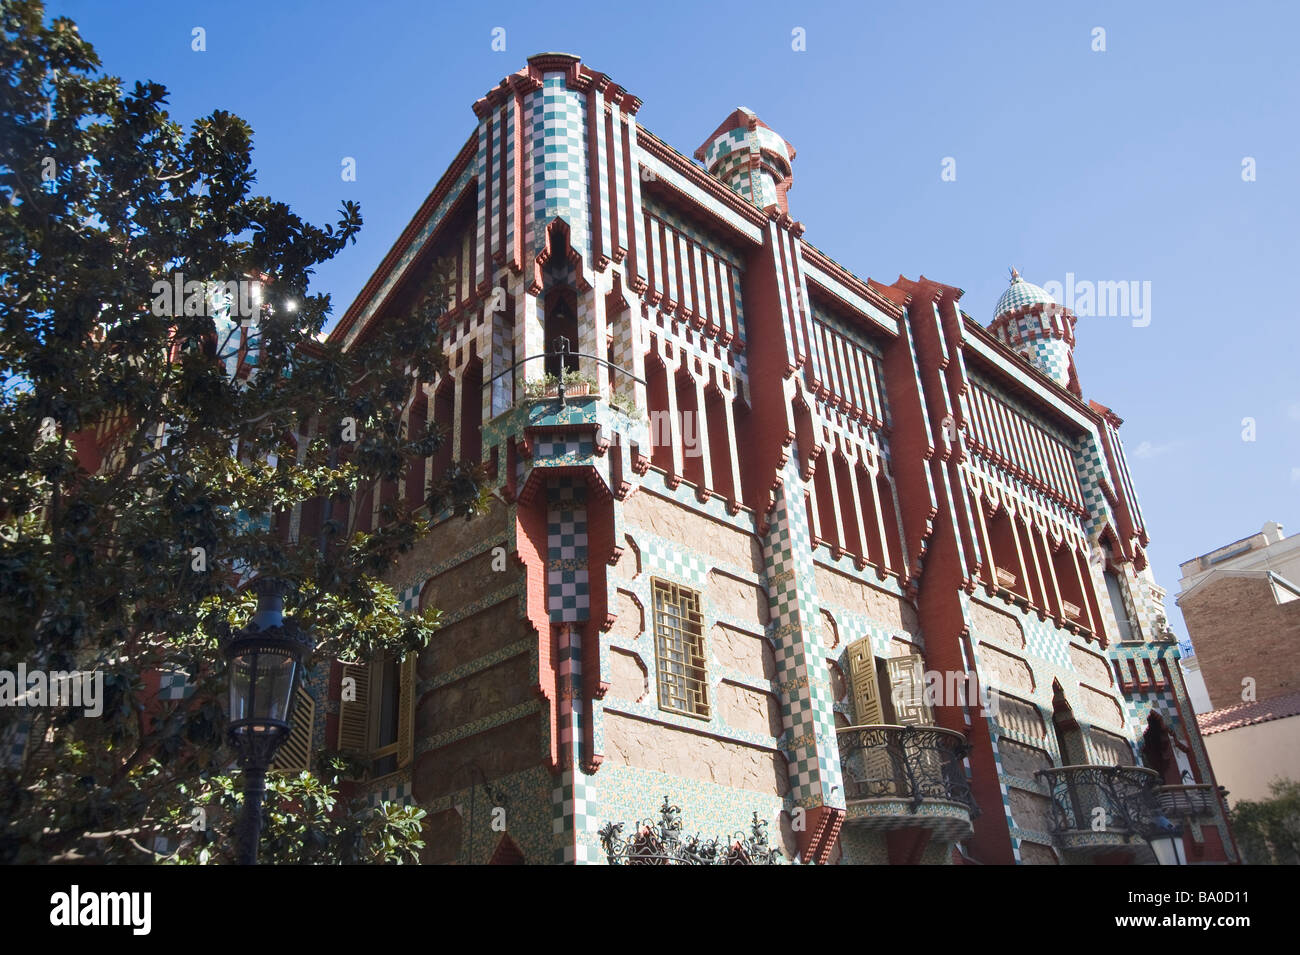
<point>668,749</point>
<point>738,745</point>
<point>694,531</point>
<point>888,610</point>
<point>448,544</point>
<point>497,751</point>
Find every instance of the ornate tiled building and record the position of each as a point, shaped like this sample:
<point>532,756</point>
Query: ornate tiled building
<point>769,539</point>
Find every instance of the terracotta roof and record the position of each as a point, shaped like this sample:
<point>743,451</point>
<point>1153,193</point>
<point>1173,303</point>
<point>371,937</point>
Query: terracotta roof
<point>1248,714</point>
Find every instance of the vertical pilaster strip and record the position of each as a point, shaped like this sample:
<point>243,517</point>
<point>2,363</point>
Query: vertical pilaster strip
<point>568,602</point>
<point>599,162</point>
<point>635,223</point>
<point>806,700</point>
<point>485,184</point>
<point>515,183</point>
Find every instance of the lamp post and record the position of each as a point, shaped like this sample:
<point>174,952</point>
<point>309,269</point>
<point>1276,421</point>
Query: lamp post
<point>264,660</point>
<point>1166,841</point>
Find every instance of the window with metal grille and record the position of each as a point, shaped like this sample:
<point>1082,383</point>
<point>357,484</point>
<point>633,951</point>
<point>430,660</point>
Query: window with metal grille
<point>679,649</point>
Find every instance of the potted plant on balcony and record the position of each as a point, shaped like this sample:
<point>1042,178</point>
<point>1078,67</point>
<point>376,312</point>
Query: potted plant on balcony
<point>576,385</point>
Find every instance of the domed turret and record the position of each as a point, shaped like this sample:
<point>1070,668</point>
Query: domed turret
<point>752,159</point>
<point>1030,323</point>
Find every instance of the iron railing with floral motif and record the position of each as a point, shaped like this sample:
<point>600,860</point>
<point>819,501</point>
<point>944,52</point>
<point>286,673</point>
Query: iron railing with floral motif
<point>1118,799</point>
<point>916,763</point>
<point>664,843</point>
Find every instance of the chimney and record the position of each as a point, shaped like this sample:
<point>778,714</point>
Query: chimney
<point>750,158</point>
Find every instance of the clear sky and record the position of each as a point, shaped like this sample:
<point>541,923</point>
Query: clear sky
<point>1122,165</point>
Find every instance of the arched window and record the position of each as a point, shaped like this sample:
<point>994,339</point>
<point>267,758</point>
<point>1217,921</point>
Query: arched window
<point>560,321</point>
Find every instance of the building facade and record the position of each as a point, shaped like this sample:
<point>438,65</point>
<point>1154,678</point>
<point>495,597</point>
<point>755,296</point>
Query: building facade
<point>776,543</point>
<point>1241,604</point>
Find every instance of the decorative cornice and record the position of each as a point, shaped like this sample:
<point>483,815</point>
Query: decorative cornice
<point>576,77</point>
<point>458,166</point>
<point>866,290</point>
<point>671,158</point>
<point>974,329</point>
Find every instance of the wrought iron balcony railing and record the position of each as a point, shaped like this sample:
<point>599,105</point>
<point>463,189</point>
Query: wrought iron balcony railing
<point>1182,802</point>
<point>916,763</point>
<point>561,355</point>
<point>1081,794</point>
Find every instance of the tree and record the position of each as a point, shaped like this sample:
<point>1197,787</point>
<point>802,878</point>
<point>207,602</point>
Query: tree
<point>1268,831</point>
<point>166,401</point>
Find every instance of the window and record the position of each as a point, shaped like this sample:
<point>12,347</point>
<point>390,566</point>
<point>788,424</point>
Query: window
<point>376,713</point>
<point>561,321</point>
<point>295,755</point>
<point>1117,605</point>
<point>387,680</point>
<point>679,649</point>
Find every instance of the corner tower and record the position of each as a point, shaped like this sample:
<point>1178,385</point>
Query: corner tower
<point>752,159</point>
<point>1031,324</point>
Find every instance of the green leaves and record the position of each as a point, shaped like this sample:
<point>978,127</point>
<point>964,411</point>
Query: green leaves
<point>305,822</point>
<point>151,458</point>
<point>1268,830</point>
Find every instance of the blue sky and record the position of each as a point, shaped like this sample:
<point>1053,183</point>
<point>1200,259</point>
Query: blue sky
<point>1122,165</point>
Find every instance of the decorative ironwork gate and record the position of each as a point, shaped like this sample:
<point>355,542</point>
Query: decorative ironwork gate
<point>663,843</point>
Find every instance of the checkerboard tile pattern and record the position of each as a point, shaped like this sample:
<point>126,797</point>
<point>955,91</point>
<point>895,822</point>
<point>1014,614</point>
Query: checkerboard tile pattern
<point>490,145</point>
<point>1051,356</point>
<point>1020,294</point>
<point>557,120</point>
<point>399,793</point>
<point>174,685</point>
<point>1091,467</point>
<point>409,597</point>
<point>563,449</point>
<point>568,591</point>
<point>1047,654</point>
<point>575,803</point>
<point>812,749</point>
<point>733,158</point>
<point>576,819</point>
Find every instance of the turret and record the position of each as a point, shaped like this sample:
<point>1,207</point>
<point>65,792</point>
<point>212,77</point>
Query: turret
<point>1030,323</point>
<point>750,158</point>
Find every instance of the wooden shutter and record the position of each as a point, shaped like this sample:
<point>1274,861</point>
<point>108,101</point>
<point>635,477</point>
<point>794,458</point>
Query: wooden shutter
<point>354,715</point>
<point>294,755</point>
<point>406,711</point>
<point>907,690</point>
<point>867,709</point>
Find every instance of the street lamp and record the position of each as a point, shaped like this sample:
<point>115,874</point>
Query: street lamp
<point>264,660</point>
<point>1166,841</point>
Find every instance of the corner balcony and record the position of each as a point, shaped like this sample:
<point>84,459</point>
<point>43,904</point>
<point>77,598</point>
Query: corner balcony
<point>1102,809</point>
<point>1197,801</point>
<point>906,777</point>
